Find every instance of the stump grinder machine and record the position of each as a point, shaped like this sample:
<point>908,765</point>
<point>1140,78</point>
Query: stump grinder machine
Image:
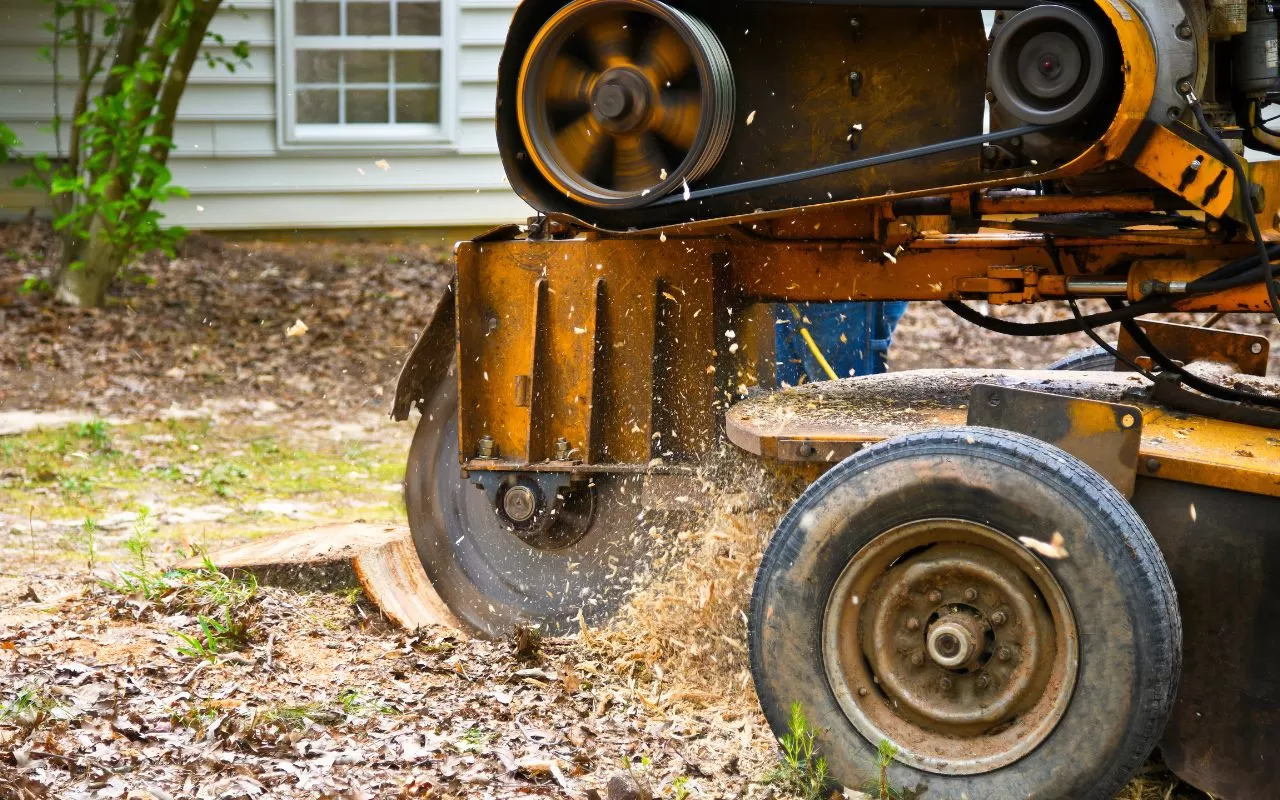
<point>1025,581</point>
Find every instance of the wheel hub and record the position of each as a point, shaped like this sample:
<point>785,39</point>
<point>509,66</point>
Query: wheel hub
<point>953,642</point>
<point>621,100</point>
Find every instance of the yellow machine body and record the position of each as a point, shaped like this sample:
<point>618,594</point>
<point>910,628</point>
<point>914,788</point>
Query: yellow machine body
<point>622,336</point>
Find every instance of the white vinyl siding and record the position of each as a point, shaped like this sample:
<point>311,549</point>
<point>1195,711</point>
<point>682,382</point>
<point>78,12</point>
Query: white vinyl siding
<point>229,152</point>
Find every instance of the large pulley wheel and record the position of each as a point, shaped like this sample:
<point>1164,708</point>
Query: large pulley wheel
<point>495,570</point>
<point>1048,65</point>
<point>898,602</point>
<point>621,102</point>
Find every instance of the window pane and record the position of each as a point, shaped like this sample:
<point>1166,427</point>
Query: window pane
<point>316,19</point>
<point>368,19</point>
<point>418,19</point>
<point>318,66</point>
<point>417,105</point>
<point>368,67</point>
<point>421,66</point>
<point>367,105</point>
<point>318,106</point>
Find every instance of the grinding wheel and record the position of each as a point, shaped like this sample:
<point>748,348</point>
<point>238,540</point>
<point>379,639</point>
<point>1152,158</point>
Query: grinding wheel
<point>490,577</point>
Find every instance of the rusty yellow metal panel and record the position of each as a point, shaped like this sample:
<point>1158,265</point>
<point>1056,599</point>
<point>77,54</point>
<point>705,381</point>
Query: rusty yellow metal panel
<point>1187,170</point>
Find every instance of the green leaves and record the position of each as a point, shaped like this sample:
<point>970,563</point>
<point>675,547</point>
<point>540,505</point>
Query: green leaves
<point>113,173</point>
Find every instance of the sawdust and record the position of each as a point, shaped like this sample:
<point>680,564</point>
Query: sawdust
<point>685,630</point>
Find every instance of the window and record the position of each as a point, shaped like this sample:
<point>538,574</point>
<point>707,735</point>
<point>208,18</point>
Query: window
<point>366,71</point>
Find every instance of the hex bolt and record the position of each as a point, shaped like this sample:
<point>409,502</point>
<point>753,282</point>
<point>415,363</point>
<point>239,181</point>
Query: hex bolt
<point>971,594</point>
<point>562,449</point>
<point>945,683</point>
<point>983,681</point>
<point>917,659</point>
<point>487,448</point>
<point>1003,653</point>
<point>935,596</point>
<point>1185,31</point>
<point>913,624</point>
<point>1184,86</point>
<point>999,618</point>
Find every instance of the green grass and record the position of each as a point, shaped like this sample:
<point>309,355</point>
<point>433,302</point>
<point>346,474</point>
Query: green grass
<point>96,470</point>
<point>801,772</point>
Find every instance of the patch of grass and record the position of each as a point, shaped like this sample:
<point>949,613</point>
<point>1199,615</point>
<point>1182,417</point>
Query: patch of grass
<point>355,704</point>
<point>880,788</point>
<point>98,432</point>
<point>225,634</point>
<point>29,708</point>
<point>801,771</point>
<point>474,740</point>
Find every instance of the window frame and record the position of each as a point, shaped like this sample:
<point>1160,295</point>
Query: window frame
<point>370,137</point>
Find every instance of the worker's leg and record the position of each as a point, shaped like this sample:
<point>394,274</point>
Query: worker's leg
<point>852,339</point>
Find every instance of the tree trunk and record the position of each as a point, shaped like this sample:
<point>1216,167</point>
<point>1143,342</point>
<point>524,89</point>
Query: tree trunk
<point>86,285</point>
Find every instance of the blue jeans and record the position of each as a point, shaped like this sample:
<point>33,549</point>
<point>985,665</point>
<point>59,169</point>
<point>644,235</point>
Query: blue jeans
<point>866,327</point>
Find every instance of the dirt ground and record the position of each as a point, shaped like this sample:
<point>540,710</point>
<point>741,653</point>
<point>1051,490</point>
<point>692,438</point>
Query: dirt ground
<point>191,419</point>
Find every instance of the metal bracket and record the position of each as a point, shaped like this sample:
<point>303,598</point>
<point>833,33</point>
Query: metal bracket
<point>1106,436</point>
<point>1248,353</point>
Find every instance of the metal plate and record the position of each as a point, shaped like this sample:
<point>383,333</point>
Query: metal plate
<point>1247,352</point>
<point>1106,436</point>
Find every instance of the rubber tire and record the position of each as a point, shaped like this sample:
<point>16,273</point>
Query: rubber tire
<point>1093,359</point>
<point>1115,580</point>
<point>490,579</point>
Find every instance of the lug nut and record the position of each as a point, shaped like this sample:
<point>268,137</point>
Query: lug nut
<point>562,449</point>
<point>1003,653</point>
<point>971,594</point>
<point>487,448</point>
<point>935,596</point>
<point>913,624</point>
<point>999,618</point>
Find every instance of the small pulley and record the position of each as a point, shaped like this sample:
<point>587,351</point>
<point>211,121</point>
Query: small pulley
<point>623,101</point>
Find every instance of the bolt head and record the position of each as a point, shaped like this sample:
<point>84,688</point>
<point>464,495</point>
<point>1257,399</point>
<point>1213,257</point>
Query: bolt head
<point>935,596</point>
<point>862,691</point>
<point>971,594</point>
<point>917,659</point>
<point>983,681</point>
<point>999,618</point>
<point>1255,348</point>
<point>1184,86</point>
<point>913,624</point>
<point>1003,653</point>
<point>1185,31</point>
<point>945,683</point>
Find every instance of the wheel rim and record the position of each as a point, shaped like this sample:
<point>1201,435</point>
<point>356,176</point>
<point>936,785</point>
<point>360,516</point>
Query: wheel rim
<point>954,643</point>
<point>623,101</point>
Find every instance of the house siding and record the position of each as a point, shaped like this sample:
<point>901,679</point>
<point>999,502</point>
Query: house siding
<point>227,153</point>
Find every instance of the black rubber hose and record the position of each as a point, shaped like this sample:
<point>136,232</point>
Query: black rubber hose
<point>1060,327</point>
<point>1242,181</point>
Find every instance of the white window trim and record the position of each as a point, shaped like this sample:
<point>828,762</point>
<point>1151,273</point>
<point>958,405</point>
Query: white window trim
<point>367,138</point>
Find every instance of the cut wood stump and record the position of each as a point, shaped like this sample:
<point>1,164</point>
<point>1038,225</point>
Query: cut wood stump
<point>379,559</point>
